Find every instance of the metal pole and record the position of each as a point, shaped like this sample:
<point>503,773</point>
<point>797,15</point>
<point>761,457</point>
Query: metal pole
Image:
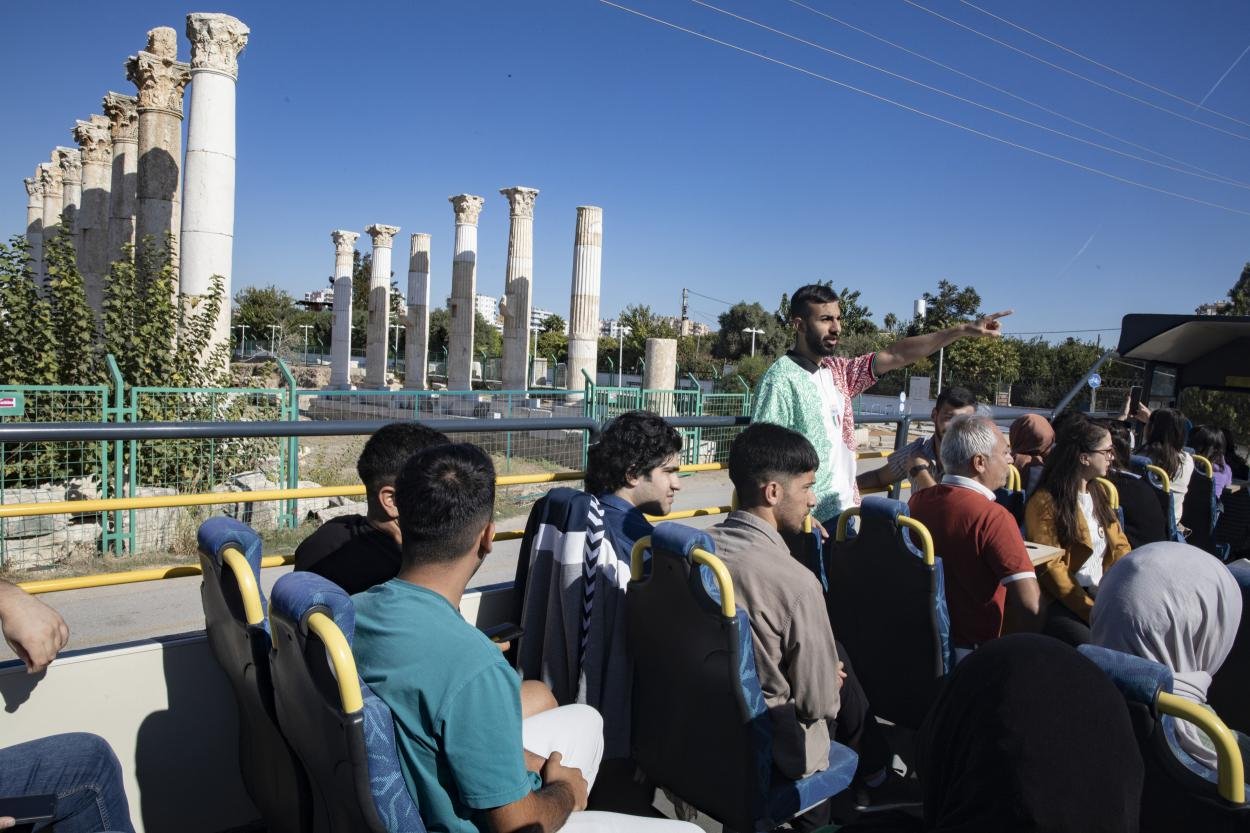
<point>1080,383</point>
<point>306,328</point>
<point>242,339</point>
<point>941,358</point>
<point>273,337</point>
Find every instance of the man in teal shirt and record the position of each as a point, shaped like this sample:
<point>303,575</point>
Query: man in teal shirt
<point>468,758</point>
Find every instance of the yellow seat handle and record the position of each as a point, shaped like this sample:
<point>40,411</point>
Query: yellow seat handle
<point>1229,765</point>
<point>236,562</point>
<point>698,556</point>
<point>339,653</point>
<point>926,539</point>
<point>1207,468</point>
<point>1163,476</point>
<point>1113,494</point>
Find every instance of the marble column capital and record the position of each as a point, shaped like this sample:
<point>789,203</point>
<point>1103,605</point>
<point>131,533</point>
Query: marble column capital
<point>34,188</point>
<point>123,116</point>
<point>94,141</point>
<point>344,241</point>
<point>49,177</point>
<point>520,200</point>
<point>216,41</point>
<point>69,161</point>
<point>467,208</point>
<point>159,79</point>
<point>383,236</point>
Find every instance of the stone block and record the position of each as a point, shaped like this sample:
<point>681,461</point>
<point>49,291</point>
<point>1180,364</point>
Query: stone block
<point>312,505</point>
<point>33,526</point>
<point>330,512</point>
<point>73,540</point>
<point>155,530</point>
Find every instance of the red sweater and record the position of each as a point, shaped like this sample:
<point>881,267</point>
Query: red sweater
<point>981,550</point>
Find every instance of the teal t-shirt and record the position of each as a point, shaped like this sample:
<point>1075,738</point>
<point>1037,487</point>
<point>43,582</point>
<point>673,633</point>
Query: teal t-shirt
<point>457,704</point>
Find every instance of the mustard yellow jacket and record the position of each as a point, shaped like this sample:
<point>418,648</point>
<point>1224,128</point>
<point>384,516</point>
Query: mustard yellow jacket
<point>1057,578</point>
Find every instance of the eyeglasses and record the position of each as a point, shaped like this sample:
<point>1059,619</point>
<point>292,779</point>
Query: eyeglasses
<point>1109,453</point>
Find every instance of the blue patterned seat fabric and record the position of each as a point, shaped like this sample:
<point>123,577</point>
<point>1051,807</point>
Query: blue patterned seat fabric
<point>218,533</point>
<point>778,799</point>
<point>295,594</point>
<point>1138,462</point>
<point>1140,681</point>
<point>882,509</point>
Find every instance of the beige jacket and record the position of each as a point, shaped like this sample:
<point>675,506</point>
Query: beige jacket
<point>795,654</point>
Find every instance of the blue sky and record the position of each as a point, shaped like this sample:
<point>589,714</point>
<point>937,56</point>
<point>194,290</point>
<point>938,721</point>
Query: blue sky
<point>716,170</point>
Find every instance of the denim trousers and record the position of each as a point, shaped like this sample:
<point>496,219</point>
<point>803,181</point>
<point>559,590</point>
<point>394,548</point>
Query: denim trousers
<point>80,770</point>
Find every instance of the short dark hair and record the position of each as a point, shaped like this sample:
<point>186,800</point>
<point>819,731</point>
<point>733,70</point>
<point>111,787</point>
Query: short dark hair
<point>445,496</point>
<point>956,397</point>
<point>389,448</point>
<point>805,296</point>
<point>630,446</point>
<point>764,451</point>
<point>1121,441</point>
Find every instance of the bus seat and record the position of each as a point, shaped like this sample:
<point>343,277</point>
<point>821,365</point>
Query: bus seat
<point>1159,481</point>
<point>1227,694</point>
<point>887,605</point>
<point>341,730</point>
<point>1012,498</point>
<point>1200,512</point>
<point>238,635</point>
<point>1141,514</point>
<point>1179,792</point>
<point>700,724</point>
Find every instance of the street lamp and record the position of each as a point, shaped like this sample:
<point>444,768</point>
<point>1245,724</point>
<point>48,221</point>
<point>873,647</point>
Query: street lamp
<point>273,338</point>
<point>621,331</point>
<point>921,309</point>
<point>242,339</point>
<point>305,328</point>
<point>754,331</point>
<point>535,329</point>
<point>396,328</point>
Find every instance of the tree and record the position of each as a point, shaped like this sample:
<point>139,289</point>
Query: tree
<point>946,308</point>
<point>73,333</point>
<point>553,324</point>
<point>732,343</point>
<point>27,319</point>
<point>1240,293</point>
<point>260,308</point>
<point>486,337</point>
<point>553,343</point>
<point>982,364</point>
<point>856,318</point>
<point>440,330</point>
<point>643,324</point>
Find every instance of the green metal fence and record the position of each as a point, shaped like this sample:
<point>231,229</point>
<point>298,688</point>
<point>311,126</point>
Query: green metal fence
<point>699,445</point>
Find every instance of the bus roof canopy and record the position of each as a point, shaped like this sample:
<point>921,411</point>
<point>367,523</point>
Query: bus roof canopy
<point>1208,351</point>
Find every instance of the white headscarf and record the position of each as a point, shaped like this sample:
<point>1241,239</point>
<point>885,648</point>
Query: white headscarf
<point>1177,605</point>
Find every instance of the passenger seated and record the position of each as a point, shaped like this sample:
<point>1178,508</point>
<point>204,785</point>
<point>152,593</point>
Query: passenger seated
<point>806,677</point>
<point>358,551</point>
<point>1176,605</point>
<point>1031,437</point>
<point>1068,512</point>
<point>1030,735</point>
<point>921,460</point>
<point>79,769</point>
<point>469,759</point>
<point>1209,442</point>
<point>1144,521</point>
<point>632,470</point>
<point>991,588</point>
<point>1165,446</point>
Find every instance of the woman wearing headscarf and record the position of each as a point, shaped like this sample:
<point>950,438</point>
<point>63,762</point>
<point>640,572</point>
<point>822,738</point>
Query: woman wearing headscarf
<point>1031,437</point>
<point>1028,734</point>
<point>1070,511</point>
<point>1176,605</point>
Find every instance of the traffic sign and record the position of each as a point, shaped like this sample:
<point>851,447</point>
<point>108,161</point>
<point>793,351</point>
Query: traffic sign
<point>1094,380</point>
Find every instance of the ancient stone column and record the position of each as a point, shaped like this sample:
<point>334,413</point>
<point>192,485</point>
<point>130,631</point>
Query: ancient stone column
<point>123,115</point>
<point>96,148</point>
<point>584,303</point>
<point>341,333</point>
<point>463,291</point>
<point>377,342</point>
<point>518,287</point>
<point>207,240</point>
<point>70,162</point>
<point>160,78</point>
<point>417,325</point>
<point>660,374</point>
<point>34,223</point>
<point>49,175</point>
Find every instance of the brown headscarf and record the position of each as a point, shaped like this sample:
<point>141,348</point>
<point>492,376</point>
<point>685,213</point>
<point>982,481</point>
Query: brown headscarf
<point>1031,438</point>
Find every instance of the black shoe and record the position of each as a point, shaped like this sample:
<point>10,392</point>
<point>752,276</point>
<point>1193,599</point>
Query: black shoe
<point>894,793</point>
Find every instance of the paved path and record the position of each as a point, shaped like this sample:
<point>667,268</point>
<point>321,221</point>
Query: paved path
<point>123,613</point>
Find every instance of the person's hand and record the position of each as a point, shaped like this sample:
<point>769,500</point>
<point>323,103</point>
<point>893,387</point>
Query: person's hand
<point>555,773</point>
<point>987,326</point>
<point>819,527</point>
<point>1143,414</point>
<point>841,673</point>
<point>7,822</point>
<point>503,646</point>
<point>34,631</point>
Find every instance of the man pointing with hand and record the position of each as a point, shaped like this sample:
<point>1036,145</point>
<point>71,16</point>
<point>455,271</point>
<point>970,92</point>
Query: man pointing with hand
<point>810,389</point>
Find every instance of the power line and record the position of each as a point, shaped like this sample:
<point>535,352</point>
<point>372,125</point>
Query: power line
<point>691,291</point>
<point>1111,69</point>
<point>1075,74</point>
<point>1016,96</point>
<point>920,112</point>
<point>964,100</point>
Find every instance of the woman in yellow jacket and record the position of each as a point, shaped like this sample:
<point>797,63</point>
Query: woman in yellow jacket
<point>1069,510</point>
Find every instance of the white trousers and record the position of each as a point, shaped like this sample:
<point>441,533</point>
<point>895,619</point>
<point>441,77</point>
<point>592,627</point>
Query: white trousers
<point>576,732</point>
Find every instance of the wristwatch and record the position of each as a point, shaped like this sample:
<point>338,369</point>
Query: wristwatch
<point>916,469</point>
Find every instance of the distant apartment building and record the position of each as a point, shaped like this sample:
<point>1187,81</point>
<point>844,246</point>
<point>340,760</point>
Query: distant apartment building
<point>1214,308</point>
<point>317,300</point>
<point>538,316</point>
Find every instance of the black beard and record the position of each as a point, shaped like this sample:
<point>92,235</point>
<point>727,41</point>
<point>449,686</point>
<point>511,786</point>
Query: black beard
<point>816,346</point>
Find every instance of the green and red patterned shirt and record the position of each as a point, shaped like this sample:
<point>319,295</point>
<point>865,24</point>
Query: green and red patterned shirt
<point>815,400</point>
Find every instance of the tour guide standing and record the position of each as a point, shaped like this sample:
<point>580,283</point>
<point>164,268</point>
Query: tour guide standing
<point>810,390</point>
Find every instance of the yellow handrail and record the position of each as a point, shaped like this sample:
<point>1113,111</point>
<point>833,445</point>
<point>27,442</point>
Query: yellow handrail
<point>635,556</point>
<point>702,511</point>
<point>1163,476</point>
<point>1013,479</point>
<point>723,581</point>
<point>1113,494</point>
<point>1206,464</point>
<point>926,540</point>
<point>340,655</point>
<point>1229,765</point>
<point>243,577</point>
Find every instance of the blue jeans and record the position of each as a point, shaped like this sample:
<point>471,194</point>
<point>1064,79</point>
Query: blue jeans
<point>80,770</point>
